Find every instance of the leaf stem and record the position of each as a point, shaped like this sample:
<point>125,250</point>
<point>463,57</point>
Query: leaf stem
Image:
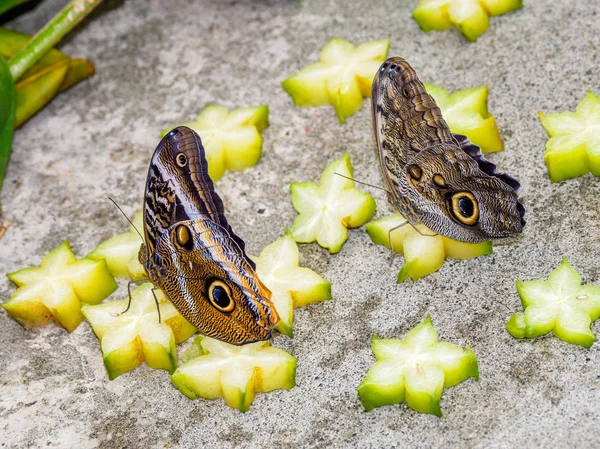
<point>50,35</point>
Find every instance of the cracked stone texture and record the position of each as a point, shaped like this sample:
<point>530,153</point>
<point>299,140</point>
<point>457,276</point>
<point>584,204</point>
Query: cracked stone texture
<point>158,63</point>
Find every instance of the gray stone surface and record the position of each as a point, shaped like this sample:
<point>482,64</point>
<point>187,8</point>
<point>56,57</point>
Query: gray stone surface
<point>158,64</point>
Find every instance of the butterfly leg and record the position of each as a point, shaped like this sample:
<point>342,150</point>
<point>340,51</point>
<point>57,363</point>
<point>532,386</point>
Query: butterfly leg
<point>138,282</point>
<point>156,301</point>
<point>390,234</point>
<point>424,234</point>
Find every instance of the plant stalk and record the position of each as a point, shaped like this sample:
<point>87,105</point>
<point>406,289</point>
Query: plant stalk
<point>50,35</point>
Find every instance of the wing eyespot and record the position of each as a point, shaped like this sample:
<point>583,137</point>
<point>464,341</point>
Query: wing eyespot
<point>219,295</point>
<point>183,236</point>
<point>414,174</point>
<point>439,180</point>
<point>181,160</point>
<point>464,208</point>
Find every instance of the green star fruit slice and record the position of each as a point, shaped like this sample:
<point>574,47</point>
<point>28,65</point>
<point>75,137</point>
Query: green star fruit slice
<point>291,285</point>
<point>121,251</point>
<point>560,305</point>
<point>424,252</point>
<point>129,338</point>
<point>466,113</point>
<point>235,373</point>
<point>342,78</point>
<point>327,210</point>
<point>574,146</point>
<point>55,290</point>
<point>415,370</point>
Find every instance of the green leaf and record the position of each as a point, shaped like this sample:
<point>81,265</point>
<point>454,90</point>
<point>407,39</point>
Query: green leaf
<point>6,5</point>
<point>7,116</point>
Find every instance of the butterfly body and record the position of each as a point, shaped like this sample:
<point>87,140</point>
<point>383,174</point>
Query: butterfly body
<point>433,176</point>
<point>192,254</point>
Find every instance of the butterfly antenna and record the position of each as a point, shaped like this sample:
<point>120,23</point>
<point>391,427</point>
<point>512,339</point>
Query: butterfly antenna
<point>360,182</point>
<point>126,217</point>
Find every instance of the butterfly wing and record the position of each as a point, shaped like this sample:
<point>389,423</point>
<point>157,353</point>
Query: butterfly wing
<point>191,252</point>
<point>177,192</point>
<point>426,167</point>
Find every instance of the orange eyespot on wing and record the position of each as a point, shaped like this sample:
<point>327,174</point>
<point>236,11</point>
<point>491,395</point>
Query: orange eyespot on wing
<point>181,160</point>
<point>220,296</point>
<point>465,208</point>
<point>183,237</point>
<point>439,180</point>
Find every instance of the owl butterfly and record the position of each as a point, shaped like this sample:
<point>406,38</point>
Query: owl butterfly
<point>190,251</point>
<point>433,176</point>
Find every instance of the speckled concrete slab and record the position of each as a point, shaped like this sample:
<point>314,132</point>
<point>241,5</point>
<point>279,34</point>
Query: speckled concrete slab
<point>158,64</point>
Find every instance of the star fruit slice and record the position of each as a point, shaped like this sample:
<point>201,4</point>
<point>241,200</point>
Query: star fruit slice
<point>343,76</point>
<point>121,252</point>
<point>234,373</point>
<point>574,146</point>
<point>326,210</point>
<point>127,339</point>
<point>466,113</point>
<point>424,252</point>
<point>278,266</point>
<point>560,305</point>
<point>55,290</point>
<point>232,140</point>
<point>470,17</point>
<point>415,370</point>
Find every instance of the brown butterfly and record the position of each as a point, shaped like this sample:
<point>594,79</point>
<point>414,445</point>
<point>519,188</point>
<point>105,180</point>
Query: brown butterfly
<point>433,176</point>
<point>190,251</point>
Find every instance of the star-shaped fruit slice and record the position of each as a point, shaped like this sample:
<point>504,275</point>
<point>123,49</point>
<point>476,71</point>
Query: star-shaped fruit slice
<point>291,285</point>
<point>329,208</point>
<point>55,290</point>
<point>574,146</point>
<point>343,76</point>
<point>121,252</point>
<point>415,370</point>
<point>127,339</point>
<point>466,113</point>
<point>424,251</point>
<point>470,17</point>
<point>560,305</point>
<point>232,140</point>
<point>235,373</point>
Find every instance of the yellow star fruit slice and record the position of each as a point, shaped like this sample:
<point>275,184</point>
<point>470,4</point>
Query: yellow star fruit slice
<point>278,266</point>
<point>232,139</point>
<point>415,370</point>
<point>127,339</point>
<point>55,290</point>
<point>466,113</point>
<point>560,305</point>
<point>121,251</point>
<point>470,17</point>
<point>574,146</point>
<point>326,210</point>
<point>424,252</point>
<point>235,373</point>
<point>343,76</point>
